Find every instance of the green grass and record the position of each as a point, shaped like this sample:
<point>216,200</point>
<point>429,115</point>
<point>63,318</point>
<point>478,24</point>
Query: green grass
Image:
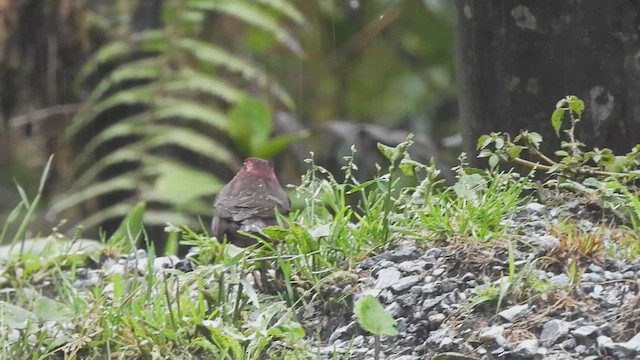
<point>215,312</point>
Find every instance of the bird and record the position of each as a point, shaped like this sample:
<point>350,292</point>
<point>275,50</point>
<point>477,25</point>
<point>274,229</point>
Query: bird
<point>248,203</point>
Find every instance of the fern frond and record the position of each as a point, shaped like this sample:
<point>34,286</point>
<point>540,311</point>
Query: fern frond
<point>178,184</point>
<point>214,55</point>
<point>139,95</point>
<point>126,182</point>
<point>191,111</point>
<point>180,88</point>
<point>210,85</point>
<point>136,125</point>
<point>129,154</point>
<point>144,69</point>
<point>133,125</point>
<point>145,42</point>
<point>252,15</point>
<point>198,143</point>
<point>286,9</point>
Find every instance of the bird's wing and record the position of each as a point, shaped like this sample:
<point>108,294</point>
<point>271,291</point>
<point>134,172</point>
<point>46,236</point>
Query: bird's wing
<point>241,208</point>
<point>238,206</point>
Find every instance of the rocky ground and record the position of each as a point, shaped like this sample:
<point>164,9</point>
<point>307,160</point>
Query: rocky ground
<point>469,300</point>
<point>441,299</point>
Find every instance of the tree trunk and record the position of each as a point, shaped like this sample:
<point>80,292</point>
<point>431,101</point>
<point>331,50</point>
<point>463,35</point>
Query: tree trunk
<point>515,59</point>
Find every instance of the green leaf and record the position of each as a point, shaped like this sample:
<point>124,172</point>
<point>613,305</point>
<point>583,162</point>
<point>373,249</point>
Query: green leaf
<point>195,141</point>
<point>535,139</point>
<point>211,84</point>
<point>556,120</point>
<point>576,105</point>
<point>250,124</point>
<point>139,95</point>
<point>286,9</point>
<point>373,318</point>
<point>179,184</point>
<point>148,41</point>
<point>50,310</point>
<point>485,153</point>
<point>132,224</point>
<point>144,69</point>
<point>290,330</point>
<point>308,243</point>
<point>407,167</point>
<point>277,144</point>
<point>253,15</point>
<point>14,316</point>
<point>493,160</point>
<point>514,151</point>
<point>388,152</point>
<point>217,56</point>
<point>483,141</point>
<point>275,232</point>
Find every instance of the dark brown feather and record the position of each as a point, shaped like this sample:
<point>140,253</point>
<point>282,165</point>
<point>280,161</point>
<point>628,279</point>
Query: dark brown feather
<point>248,202</point>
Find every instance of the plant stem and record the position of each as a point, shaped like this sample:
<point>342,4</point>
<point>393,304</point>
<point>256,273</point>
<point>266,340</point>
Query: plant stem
<point>581,171</point>
<point>541,155</point>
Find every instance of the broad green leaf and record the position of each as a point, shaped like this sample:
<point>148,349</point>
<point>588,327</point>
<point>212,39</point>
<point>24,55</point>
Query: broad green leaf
<point>576,105</point>
<point>50,310</point>
<point>535,139</point>
<point>250,124</point>
<point>308,243</point>
<point>556,120</point>
<point>288,329</point>
<point>493,160</point>
<point>515,151</point>
<point>277,144</point>
<point>50,247</point>
<point>275,232</point>
<point>14,316</point>
<point>485,153</point>
<point>178,184</point>
<point>132,224</point>
<point>373,318</point>
<point>483,141</point>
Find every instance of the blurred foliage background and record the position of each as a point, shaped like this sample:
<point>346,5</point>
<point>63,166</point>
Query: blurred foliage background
<point>160,101</point>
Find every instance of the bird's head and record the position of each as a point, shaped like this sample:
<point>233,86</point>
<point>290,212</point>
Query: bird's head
<point>259,167</point>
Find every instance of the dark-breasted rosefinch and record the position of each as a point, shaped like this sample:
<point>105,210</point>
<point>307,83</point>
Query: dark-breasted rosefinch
<point>248,203</point>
